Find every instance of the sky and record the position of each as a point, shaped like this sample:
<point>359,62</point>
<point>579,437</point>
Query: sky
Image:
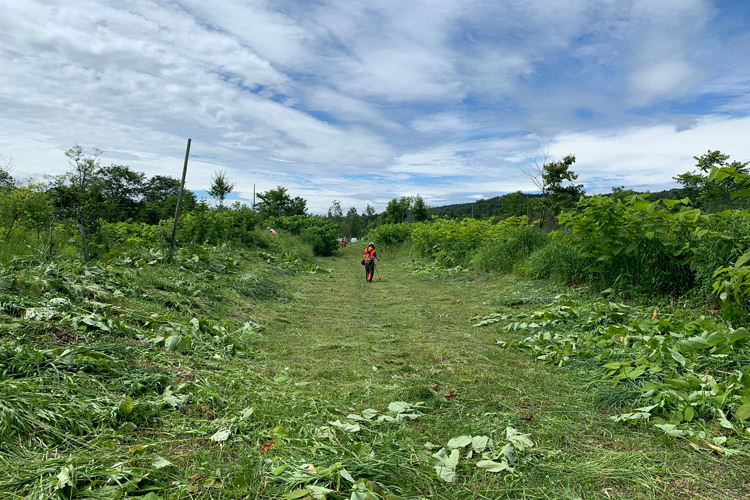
<point>362,101</point>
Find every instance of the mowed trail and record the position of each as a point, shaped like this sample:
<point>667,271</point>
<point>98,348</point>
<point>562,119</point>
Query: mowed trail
<point>351,345</point>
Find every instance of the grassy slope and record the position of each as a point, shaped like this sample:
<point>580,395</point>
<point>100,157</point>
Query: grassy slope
<point>341,345</point>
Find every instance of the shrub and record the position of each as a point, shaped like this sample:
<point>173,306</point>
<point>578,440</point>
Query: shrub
<point>391,234</point>
<point>451,243</point>
<point>321,234</point>
<point>631,241</point>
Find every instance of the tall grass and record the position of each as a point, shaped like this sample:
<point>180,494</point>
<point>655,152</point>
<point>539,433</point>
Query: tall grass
<point>515,245</point>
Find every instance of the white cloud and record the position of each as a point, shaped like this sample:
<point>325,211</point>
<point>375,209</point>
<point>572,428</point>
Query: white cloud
<point>441,98</point>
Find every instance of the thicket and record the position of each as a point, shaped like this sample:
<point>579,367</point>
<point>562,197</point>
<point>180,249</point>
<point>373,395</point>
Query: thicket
<point>102,208</point>
<point>626,242</point>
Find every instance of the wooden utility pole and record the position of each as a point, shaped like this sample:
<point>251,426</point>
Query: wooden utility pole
<point>253,197</point>
<point>179,197</point>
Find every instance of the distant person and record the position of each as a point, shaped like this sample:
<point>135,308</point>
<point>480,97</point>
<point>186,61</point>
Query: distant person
<point>368,259</point>
<point>271,231</point>
<point>343,242</point>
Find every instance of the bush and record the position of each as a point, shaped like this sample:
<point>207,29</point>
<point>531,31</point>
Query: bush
<point>321,234</point>
<point>634,242</point>
<point>451,243</point>
<point>391,234</point>
<point>726,238</point>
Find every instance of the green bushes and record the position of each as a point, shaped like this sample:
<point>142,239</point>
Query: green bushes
<point>391,234</point>
<point>452,243</point>
<point>723,239</point>
<point>634,242</point>
<point>321,234</point>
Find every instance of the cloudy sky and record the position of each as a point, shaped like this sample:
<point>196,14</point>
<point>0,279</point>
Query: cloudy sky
<point>363,101</point>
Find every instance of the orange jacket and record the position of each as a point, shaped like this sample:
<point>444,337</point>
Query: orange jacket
<point>370,254</point>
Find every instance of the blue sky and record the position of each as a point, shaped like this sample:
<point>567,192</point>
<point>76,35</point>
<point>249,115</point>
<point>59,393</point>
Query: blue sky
<point>364,101</point>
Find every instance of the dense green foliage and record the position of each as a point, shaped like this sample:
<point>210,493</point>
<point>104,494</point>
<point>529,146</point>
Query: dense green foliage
<point>391,234</point>
<point>674,370</point>
<point>321,234</point>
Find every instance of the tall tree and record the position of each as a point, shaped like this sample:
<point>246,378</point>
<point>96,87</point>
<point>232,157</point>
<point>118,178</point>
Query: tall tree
<point>220,187</point>
<point>353,223</point>
<point>277,203</point>
<point>160,194</point>
<point>78,193</point>
<point>122,191</point>
<point>419,209</point>
<point>707,195</point>
<point>559,180</point>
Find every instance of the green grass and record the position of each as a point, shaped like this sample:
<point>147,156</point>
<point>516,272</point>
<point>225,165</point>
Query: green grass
<point>330,345</point>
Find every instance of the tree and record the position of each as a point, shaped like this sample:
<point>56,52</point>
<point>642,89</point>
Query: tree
<point>549,178</point>
<point>220,187</point>
<point>556,174</point>
<point>397,210</point>
<point>6,180</point>
<point>159,202</point>
<point>78,193</point>
<point>26,205</point>
<point>419,209</point>
<point>122,191</point>
<point>334,211</point>
<point>353,223</point>
<point>708,195</point>
<point>278,203</point>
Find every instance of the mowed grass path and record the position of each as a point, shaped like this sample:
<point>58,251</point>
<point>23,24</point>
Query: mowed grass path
<point>346,345</point>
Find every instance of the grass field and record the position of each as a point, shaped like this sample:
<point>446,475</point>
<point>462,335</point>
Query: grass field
<point>302,411</point>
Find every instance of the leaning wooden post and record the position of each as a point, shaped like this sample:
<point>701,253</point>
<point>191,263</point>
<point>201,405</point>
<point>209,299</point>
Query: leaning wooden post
<point>179,196</point>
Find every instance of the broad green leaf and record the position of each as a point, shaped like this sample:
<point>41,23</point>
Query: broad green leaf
<point>519,441</point>
<point>126,407</point>
<point>346,475</point>
<point>637,372</point>
<point>692,344</point>
<point>446,464</point>
<point>459,442</point>
<point>492,466</point>
<point>743,412</point>
<point>318,492</point>
<point>672,430</point>
<point>278,470</point>
<point>479,443</point>
<point>346,426</point>
<point>298,493</point>
<point>369,413</point>
<point>509,452</point>
<point>688,414</point>
<point>398,407</point>
<point>677,356</point>
<point>742,260</point>
<point>65,477</point>
<point>738,334</point>
<point>159,462</point>
<point>221,435</point>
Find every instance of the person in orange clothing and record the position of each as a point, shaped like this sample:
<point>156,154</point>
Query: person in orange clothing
<point>368,259</point>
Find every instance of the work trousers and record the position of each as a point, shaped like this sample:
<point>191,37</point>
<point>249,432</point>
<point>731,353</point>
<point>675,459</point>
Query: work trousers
<point>369,269</point>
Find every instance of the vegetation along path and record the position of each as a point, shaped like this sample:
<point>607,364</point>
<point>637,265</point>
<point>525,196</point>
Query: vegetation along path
<point>345,346</point>
<point>227,373</point>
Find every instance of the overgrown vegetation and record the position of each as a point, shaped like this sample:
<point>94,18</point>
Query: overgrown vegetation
<point>238,364</point>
